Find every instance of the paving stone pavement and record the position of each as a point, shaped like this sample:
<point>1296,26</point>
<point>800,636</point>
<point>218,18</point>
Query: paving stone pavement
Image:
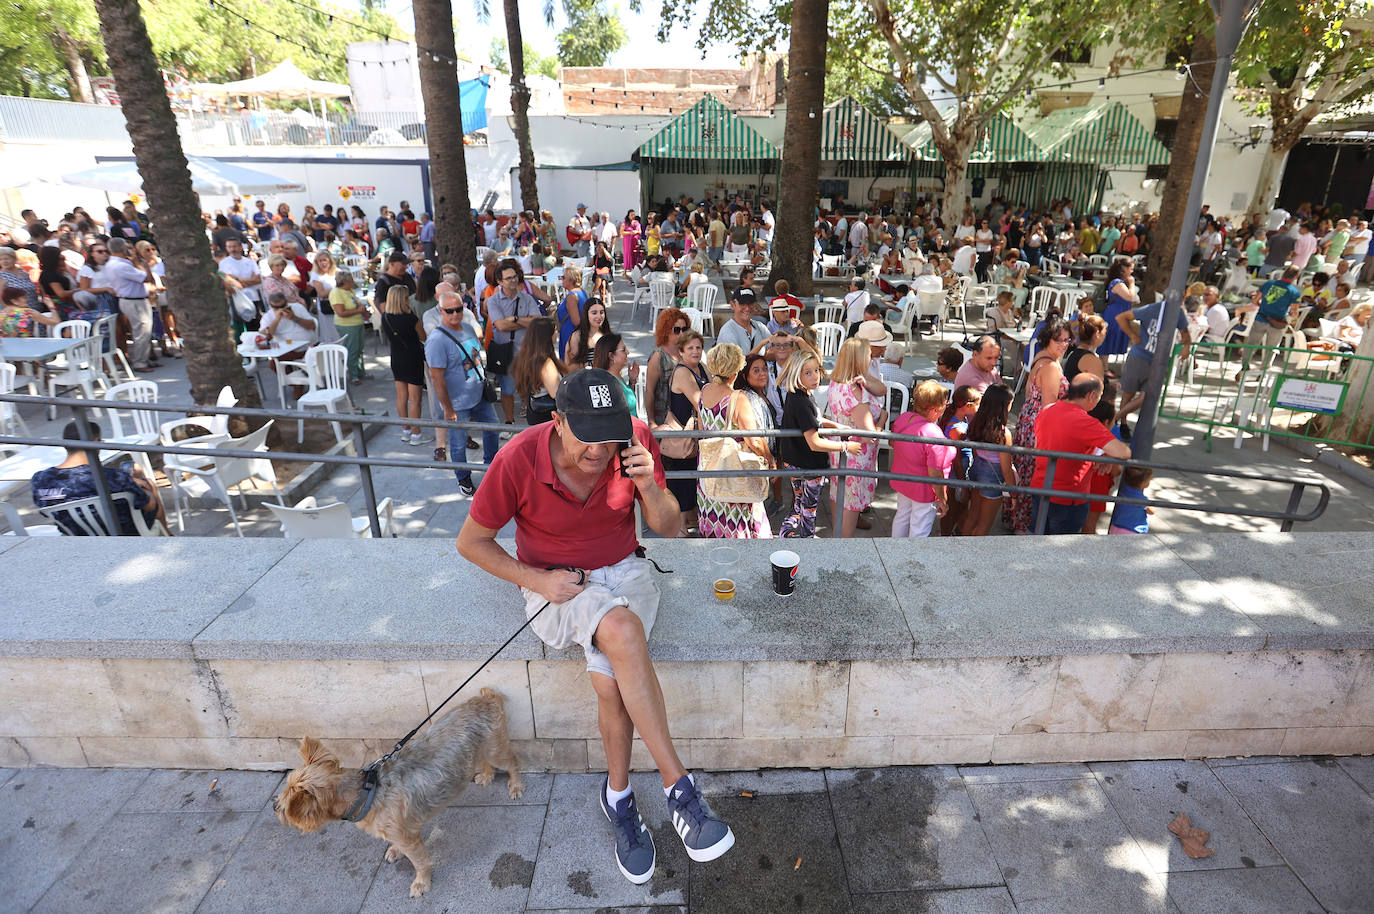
<point>1290,835</point>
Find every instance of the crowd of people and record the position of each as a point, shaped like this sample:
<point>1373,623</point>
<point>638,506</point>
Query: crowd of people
<point>494,344</point>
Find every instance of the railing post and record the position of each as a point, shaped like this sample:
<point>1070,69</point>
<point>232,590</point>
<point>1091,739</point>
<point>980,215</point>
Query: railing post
<point>838,519</point>
<point>1042,514</point>
<point>365,472</point>
<point>102,485</point>
<point>1294,500</point>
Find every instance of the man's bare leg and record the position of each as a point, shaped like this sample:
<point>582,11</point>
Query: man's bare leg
<point>620,636</point>
<point>617,730</point>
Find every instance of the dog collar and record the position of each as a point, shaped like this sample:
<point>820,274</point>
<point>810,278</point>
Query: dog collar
<point>363,804</point>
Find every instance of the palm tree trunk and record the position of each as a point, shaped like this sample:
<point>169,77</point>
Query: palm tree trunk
<point>193,284</point>
<point>801,147</point>
<point>520,107</point>
<point>1191,113</point>
<point>448,169</point>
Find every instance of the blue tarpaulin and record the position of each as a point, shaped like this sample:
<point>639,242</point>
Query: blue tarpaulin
<point>472,101</point>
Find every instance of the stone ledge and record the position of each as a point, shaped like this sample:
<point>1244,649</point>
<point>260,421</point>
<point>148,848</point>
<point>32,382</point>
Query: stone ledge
<point>860,600</point>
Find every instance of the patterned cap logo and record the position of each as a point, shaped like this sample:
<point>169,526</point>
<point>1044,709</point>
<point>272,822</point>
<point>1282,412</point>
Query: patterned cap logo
<point>601,396</point>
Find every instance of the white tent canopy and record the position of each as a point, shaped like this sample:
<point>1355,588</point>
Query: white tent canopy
<point>284,81</point>
<point>209,177</point>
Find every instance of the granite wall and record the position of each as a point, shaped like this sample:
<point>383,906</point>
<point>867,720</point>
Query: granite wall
<point>223,653</point>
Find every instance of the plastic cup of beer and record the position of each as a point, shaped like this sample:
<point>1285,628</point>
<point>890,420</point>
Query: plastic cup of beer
<point>723,562</point>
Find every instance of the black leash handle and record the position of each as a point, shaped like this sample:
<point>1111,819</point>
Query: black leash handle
<point>581,579</point>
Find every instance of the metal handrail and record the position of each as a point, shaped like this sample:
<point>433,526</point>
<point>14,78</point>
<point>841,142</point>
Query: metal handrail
<point>80,407</point>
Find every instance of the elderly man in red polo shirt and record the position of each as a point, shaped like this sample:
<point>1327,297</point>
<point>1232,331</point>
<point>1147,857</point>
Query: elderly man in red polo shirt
<point>572,498</point>
<point>1066,426</point>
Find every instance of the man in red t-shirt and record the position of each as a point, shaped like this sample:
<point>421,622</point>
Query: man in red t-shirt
<point>578,565</point>
<point>1066,426</point>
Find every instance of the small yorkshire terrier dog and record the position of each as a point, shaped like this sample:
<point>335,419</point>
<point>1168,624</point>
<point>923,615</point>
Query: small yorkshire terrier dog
<point>428,774</point>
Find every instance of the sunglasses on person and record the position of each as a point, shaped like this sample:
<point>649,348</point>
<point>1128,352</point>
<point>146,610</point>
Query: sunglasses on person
<point>679,329</point>
<point>457,310</point>
<point>278,307</point>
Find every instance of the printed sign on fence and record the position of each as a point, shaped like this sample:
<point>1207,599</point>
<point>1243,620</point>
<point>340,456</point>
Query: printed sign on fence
<point>1306,395</point>
<point>357,192</point>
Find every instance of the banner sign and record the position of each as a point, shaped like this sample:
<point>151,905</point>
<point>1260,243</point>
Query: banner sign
<point>1306,395</point>
<point>357,191</point>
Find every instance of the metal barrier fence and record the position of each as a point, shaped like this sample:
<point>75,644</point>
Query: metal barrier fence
<point>1297,486</point>
<point>24,120</point>
<point>1311,394</point>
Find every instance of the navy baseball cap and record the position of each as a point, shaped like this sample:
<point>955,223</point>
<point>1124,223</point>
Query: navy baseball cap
<point>592,402</point>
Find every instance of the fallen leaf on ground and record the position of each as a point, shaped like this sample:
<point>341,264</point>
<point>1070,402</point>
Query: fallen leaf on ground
<point>1194,839</point>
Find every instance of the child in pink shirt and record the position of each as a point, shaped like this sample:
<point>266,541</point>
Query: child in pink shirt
<point>919,503</point>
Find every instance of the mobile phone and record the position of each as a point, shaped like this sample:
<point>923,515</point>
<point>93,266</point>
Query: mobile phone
<point>624,470</point>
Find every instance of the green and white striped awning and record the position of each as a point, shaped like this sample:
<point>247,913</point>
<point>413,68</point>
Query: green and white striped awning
<point>708,130</point>
<point>1003,141</point>
<point>852,133</point>
<point>1105,134</point>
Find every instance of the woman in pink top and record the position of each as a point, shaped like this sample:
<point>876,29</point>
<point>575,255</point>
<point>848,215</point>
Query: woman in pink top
<point>919,503</point>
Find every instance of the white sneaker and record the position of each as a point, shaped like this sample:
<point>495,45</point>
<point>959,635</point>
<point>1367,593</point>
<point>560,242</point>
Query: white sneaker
<point>417,439</point>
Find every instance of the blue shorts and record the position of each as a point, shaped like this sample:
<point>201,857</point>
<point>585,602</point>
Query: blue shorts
<point>507,385</point>
<point>986,471</point>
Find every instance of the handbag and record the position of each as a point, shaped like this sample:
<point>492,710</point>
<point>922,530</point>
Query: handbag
<point>677,448</point>
<point>491,388</point>
<point>729,454</point>
<point>499,356</point>
<point>245,308</point>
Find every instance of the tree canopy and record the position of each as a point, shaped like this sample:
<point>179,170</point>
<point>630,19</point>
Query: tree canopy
<point>197,40</point>
<point>543,64</point>
<point>592,35</point>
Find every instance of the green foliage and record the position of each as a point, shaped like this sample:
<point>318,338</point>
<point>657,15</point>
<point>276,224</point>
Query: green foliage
<point>592,35</point>
<point>192,38</point>
<point>1303,46</point>
<point>543,64</point>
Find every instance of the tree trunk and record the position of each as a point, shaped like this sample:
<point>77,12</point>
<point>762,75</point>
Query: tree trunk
<point>520,108</point>
<point>193,285</point>
<point>963,137</point>
<point>801,146</point>
<point>1192,111</point>
<point>1267,184</point>
<point>1356,421</point>
<point>76,67</point>
<point>448,169</point>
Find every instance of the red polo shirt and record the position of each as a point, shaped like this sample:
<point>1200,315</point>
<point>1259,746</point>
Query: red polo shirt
<point>552,525</point>
<point>1066,426</point>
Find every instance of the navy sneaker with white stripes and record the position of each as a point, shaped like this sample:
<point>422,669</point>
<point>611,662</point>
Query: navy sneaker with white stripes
<point>705,836</point>
<point>634,846</point>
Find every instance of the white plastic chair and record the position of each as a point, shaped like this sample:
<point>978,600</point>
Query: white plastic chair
<point>1041,298</point>
<point>908,317</point>
<point>82,370</point>
<point>71,330</point>
<point>19,528</point>
<point>897,401</point>
<point>641,383</point>
<point>661,297</point>
<point>216,426</point>
<point>1025,367</point>
<point>10,419</point>
<point>1099,260</point>
<point>701,323</point>
<point>703,296</point>
<point>112,358</point>
<point>223,473</point>
<point>327,369</point>
<point>144,422</point>
<point>311,521</point>
<point>86,516</point>
<point>827,312</point>
<point>828,339</point>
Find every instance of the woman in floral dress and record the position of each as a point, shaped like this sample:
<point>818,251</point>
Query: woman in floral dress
<point>850,404</point>
<point>1046,383</point>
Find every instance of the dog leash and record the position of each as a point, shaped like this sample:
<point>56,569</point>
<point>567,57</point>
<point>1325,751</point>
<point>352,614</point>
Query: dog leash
<point>371,774</point>
<point>363,804</point>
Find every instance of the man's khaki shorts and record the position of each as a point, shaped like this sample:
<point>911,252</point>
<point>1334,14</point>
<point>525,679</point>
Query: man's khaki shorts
<point>627,583</point>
